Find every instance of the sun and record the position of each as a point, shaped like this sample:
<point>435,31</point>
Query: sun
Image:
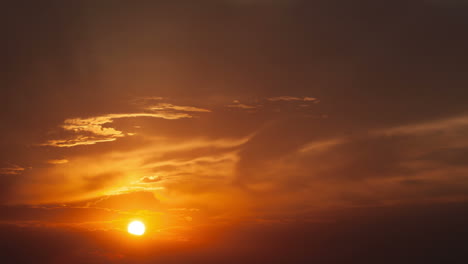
<point>136,228</point>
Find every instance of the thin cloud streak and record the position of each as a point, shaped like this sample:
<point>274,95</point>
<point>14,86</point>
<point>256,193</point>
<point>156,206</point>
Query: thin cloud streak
<point>57,161</point>
<point>291,98</point>
<point>166,106</point>
<point>11,170</point>
<point>242,106</point>
<point>78,141</point>
<point>427,127</point>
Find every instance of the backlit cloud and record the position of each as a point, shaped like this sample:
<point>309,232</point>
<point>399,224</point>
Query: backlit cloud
<point>292,98</point>
<point>304,128</point>
<point>12,169</point>
<point>57,161</point>
<point>151,179</point>
<point>166,106</point>
<point>238,104</point>
<point>89,131</point>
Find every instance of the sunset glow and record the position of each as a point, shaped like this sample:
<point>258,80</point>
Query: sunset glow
<point>234,131</point>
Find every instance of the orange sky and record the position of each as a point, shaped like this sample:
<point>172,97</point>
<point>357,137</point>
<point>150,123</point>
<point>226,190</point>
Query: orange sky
<point>227,126</point>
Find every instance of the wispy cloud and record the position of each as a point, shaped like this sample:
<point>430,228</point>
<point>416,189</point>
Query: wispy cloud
<point>150,179</point>
<point>94,124</point>
<point>11,170</point>
<point>242,106</point>
<point>144,100</point>
<point>321,145</point>
<point>292,98</point>
<point>267,102</point>
<point>156,98</point>
<point>167,106</point>
<point>89,131</point>
<point>77,141</point>
<point>57,161</point>
<point>432,126</point>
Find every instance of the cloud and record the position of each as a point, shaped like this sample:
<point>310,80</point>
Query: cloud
<point>371,167</point>
<point>109,212</point>
<point>97,129</point>
<point>237,104</point>
<point>77,141</point>
<point>154,164</point>
<point>66,65</point>
<point>151,179</point>
<point>89,131</point>
<point>149,98</point>
<point>166,106</point>
<point>11,170</point>
<point>321,145</point>
<point>57,161</point>
<point>292,98</point>
<point>301,104</point>
<point>428,127</point>
<point>100,181</point>
<point>142,200</point>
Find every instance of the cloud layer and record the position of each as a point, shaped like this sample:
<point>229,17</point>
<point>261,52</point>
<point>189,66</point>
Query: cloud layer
<point>239,131</point>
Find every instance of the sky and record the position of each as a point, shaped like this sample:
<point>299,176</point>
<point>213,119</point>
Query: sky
<point>238,131</point>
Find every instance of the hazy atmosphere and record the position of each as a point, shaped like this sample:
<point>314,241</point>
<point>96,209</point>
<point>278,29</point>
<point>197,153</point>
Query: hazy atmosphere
<point>234,131</point>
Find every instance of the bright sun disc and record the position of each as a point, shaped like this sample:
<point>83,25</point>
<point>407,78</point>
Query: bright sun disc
<point>136,228</point>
